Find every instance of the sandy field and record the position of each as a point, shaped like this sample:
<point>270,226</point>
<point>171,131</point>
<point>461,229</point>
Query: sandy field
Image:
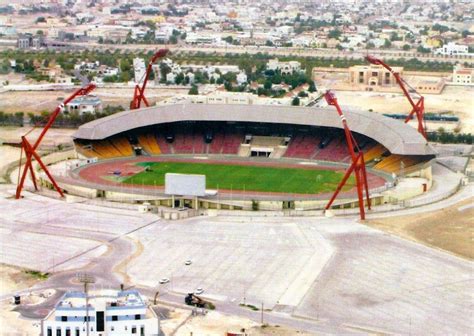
<point>215,323</point>
<point>14,278</point>
<point>37,101</point>
<point>458,100</point>
<point>450,229</point>
<point>54,137</point>
<point>8,155</point>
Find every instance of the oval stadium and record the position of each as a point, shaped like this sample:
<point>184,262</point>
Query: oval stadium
<point>253,156</point>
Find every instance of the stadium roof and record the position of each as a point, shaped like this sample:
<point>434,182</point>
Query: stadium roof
<point>397,137</point>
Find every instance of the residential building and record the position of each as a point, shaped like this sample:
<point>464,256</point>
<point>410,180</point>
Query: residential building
<point>284,67</point>
<point>462,75</point>
<point>373,75</point>
<point>84,104</point>
<point>241,78</point>
<point>452,48</point>
<point>105,313</point>
<point>26,41</point>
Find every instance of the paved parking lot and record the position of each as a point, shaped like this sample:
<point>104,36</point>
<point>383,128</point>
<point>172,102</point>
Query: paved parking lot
<point>232,258</point>
<point>346,275</point>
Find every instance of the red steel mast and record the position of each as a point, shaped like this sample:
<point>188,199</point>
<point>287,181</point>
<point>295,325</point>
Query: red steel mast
<point>418,108</point>
<point>139,93</point>
<point>30,149</point>
<point>358,164</point>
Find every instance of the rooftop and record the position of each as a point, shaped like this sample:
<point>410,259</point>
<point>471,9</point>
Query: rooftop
<point>396,136</point>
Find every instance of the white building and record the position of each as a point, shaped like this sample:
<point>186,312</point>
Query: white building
<point>462,75</point>
<point>171,77</point>
<point>284,67</point>
<point>139,69</point>
<point>109,313</point>
<point>452,48</point>
<point>241,78</point>
<point>84,104</point>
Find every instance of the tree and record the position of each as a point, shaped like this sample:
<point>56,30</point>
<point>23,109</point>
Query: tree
<point>312,87</point>
<point>406,47</point>
<point>387,44</point>
<point>269,43</point>
<point>334,33</point>
<point>173,39</point>
<point>40,19</point>
<point>295,101</point>
<point>194,90</point>
<point>267,85</point>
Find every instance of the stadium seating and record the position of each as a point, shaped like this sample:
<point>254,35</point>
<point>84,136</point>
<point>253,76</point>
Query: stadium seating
<point>395,163</point>
<point>217,144</point>
<point>231,143</point>
<point>149,144</point>
<point>335,151</point>
<point>302,146</point>
<point>165,147</point>
<point>122,145</point>
<point>374,152</point>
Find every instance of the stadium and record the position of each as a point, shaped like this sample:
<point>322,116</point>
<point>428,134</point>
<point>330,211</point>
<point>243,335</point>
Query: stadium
<point>278,157</point>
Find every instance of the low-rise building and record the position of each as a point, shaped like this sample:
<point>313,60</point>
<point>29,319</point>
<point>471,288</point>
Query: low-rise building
<point>84,104</point>
<point>462,75</point>
<point>284,67</point>
<point>373,75</point>
<point>139,69</point>
<point>452,48</point>
<point>241,78</point>
<point>106,313</point>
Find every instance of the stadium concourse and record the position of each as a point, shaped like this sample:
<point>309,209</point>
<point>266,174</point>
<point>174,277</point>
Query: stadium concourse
<point>276,141</point>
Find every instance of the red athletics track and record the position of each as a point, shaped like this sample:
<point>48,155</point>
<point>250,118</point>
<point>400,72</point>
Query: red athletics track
<point>98,173</point>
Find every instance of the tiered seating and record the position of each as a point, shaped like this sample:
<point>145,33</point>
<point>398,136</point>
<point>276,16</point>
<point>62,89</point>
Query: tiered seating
<point>199,147</point>
<point>122,145</point>
<point>85,150</point>
<point>336,151</point>
<point>217,144</point>
<point>231,143</point>
<point>105,149</point>
<point>149,144</point>
<point>183,143</point>
<point>302,146</point>
<point>393,163</point>
<point>374,153</point>
<point>165,147</point>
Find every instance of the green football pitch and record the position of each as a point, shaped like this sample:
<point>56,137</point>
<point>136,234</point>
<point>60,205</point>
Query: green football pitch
<point>245,177</point>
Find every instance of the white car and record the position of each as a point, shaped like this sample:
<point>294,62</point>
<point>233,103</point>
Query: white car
<point>199,290</point>
<point>188,262</point>
<point>164,280</point>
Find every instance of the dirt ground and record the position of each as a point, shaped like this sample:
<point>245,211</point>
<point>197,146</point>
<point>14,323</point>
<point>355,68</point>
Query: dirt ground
<point>13,325</point>
<point>54,137</point>
<point>215,323</point>
<point>458,100</point>
<point>450,229</point>
<point>38,101</point>
<point>14,278</point>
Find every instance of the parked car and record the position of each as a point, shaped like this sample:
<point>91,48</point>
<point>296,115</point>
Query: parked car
<point>164,280</point>
<point>188,262</point>
<point>198,291</point>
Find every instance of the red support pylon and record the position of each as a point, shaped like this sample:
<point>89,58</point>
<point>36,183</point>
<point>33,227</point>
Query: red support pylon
<point>30,149</point>
<point>139,92</point>
<point>418,108</point>
<point>358,164</point>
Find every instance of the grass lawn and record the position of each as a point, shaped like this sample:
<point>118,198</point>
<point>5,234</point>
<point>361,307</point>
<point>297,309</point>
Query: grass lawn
<point>240,177</point>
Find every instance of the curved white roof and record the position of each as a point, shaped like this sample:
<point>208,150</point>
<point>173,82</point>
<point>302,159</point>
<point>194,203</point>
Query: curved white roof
<point>397,137</point>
